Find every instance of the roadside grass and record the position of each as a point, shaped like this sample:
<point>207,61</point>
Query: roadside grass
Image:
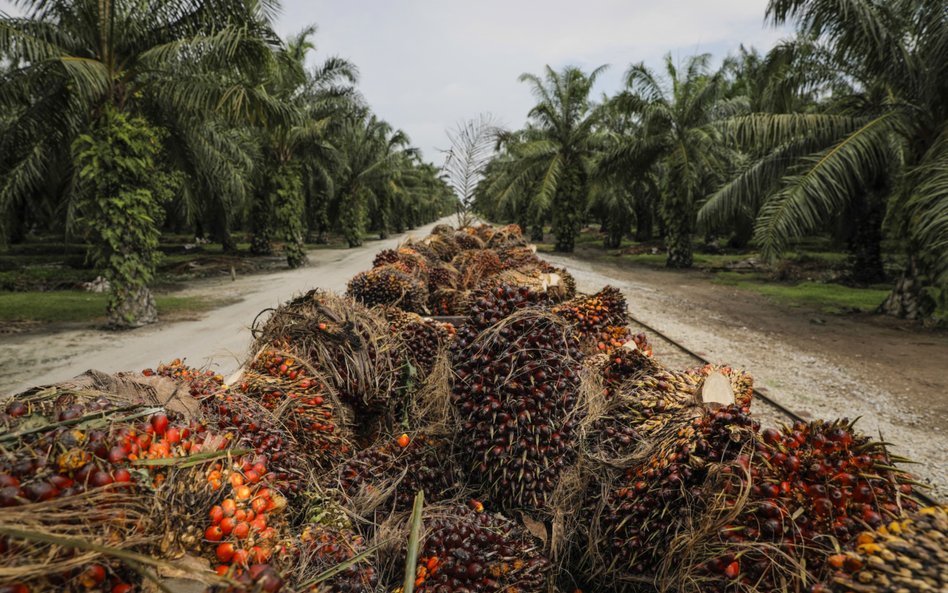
<point>66,306</point>
<point>830,297</point>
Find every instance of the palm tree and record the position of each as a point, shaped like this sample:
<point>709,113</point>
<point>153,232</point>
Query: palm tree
<point>80,66</point>
<point>556,149</point>
<point>301,146</point>
<point>677,131</point>
<point>372,155</point>
<point>880,140</point>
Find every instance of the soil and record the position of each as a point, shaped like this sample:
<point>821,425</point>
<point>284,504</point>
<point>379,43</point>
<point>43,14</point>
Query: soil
<point>889,373</point>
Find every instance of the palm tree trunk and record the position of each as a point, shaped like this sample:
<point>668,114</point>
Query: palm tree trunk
<point>677,214</point>
<point>907,299</point>
<point>131,308</point>
<point>261,224</point>
<point>643,221</point>
<point>865,244</point>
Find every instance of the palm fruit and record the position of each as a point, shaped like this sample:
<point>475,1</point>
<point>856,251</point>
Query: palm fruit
<point>406,259</point>
<point>599,320</point>
<point>425,340</point>
<point>450,301</point>
<point>248,424</point>
<point>506,236</point>
<point>728,507</point>
<point>321,548</point>
<point>350,348</point>
<point>516,395</point>
<point>467,550</point>
<point>389,285</point>
<point>637,516</point>
<point>476,266</point>
<point>468,241</point>
<point>278,381</point>
<point>907,555</point>
<point>390,474</point>
<point>98,450</point>
<point>444,245</point>
<point>442,275</point>
<point>442,229</point>
<point>248,522</point>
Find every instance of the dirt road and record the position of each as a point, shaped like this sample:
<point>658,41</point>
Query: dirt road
<point>892,377</point>
<point>219,339</point>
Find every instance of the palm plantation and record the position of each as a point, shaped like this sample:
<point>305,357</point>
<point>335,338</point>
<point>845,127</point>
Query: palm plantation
<point>551,159</point>
<point>837,132</point>
<point>232,124</point>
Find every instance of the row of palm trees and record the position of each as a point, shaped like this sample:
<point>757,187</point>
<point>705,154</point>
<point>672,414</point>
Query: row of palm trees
<point>238,134</point>
<point>842,126</point>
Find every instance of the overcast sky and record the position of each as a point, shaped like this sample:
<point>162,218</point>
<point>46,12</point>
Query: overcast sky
<point>427,64</point>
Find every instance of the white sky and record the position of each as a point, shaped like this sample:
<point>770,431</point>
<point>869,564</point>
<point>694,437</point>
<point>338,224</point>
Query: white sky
<point>427,64</point>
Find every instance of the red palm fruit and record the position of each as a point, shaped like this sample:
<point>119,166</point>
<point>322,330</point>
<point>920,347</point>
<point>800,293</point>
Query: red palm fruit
<point>225,552</point>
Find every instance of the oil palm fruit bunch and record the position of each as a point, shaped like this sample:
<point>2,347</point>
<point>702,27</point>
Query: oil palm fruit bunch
<point>638,517</point>
<point>522,257</point>
<point>489,307</point>
<point>349,346</point>
<point>468,241</point>
<point>599,319</point>
<point>77,452</point>
<point>321,548</point>
<point>407,259</point>
<point>389,285</point>
<point>391,473</point>
<point>909,554</point>
<point>790,501</point>
<point>442,229</point>
<point>444,245</point>
<point>484,232</point>
<point>510,235</point>
<point>476,266</point>
<point>467,550</point>
<point>516,396</point>
<point>442,275</point>
<point>278,380</point>
<point>201,383</point>
<point>623,367</point>
<point>425,339</point>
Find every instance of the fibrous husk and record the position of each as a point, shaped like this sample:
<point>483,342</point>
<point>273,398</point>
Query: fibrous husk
<point>468,241</point>
<point>350,348</point>
<point>444,245</point>
<point>475,267</point>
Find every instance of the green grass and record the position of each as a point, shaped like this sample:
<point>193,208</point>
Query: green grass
<point>827,297</point>
<point>77,306</point>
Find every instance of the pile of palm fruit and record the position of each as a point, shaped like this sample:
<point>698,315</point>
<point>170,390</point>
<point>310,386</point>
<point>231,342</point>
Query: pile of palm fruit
<point>552,451</point>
